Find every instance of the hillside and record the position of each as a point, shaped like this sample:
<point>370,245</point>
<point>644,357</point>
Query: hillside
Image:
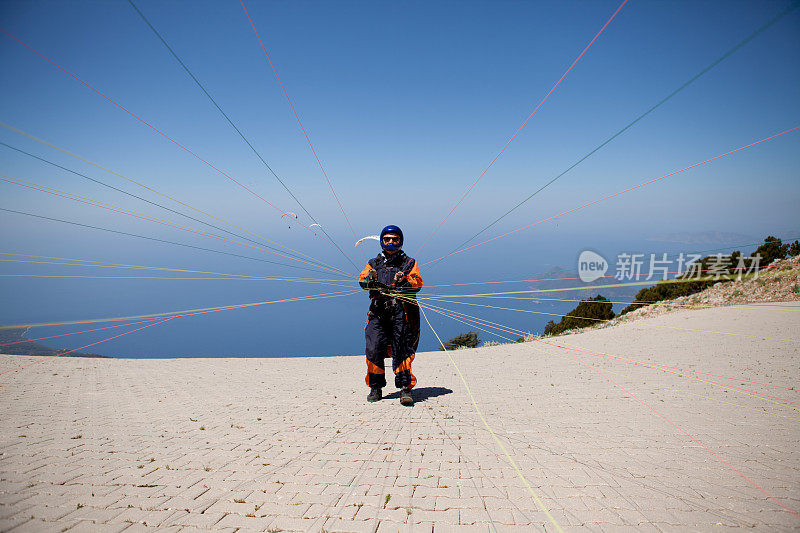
<point>779,283</point>
<point>15,335</point>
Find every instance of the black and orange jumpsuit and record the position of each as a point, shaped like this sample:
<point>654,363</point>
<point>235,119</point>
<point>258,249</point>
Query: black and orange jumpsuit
<point>392,328</point>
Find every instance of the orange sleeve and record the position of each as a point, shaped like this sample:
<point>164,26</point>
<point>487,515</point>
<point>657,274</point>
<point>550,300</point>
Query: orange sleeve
<point>414,278</point>
<point>365,273</point>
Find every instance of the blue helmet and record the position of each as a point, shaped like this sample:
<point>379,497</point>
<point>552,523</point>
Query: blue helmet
<point>392,246</point>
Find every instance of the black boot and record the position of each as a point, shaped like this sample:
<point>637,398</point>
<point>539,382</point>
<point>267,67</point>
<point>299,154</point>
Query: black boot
<point>375,394</point>
<point>405,397</point>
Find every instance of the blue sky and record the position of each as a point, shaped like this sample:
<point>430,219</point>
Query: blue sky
<point>406,104</point>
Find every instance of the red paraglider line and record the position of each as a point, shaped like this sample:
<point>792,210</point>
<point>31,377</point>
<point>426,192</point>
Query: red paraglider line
<point>295,299</point>
<point>676,426</point>
<point>613,195</point>
<point>523,125</point>
<point>172,317</point>
<point>693,439</point>
<point>82,347</point>
<point>163,223</point>
<point>79,332</point>
<point>140,120</point>
<point>298,118</point>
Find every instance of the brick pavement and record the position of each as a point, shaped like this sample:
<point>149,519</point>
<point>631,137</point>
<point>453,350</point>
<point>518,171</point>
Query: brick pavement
<point>264,444</point>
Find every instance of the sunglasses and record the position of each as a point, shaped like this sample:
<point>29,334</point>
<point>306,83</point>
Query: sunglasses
<point>391,239</point>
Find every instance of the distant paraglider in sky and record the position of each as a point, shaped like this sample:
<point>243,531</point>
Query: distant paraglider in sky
<point>311,227</point>
<point>289,214</point>
<point>367,238</point>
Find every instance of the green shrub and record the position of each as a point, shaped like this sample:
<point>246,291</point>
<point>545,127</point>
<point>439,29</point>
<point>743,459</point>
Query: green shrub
<point>771,250</point>
<point>588,313</point>
<point>465,340</point>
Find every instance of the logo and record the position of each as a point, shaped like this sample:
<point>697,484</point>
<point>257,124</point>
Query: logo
<point>591,266</point>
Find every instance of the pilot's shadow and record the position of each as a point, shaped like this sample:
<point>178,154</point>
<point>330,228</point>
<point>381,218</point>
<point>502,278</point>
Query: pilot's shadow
<point>420,394</point>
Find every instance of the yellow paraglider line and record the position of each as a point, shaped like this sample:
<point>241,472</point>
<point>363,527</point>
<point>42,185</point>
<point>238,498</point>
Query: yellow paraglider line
<point>491,431</point>
<point>186,312</point>
<point>100,264</point>
<point>155,191</point>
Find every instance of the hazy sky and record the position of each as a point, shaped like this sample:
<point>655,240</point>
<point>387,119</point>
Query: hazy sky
<point>406,104</point>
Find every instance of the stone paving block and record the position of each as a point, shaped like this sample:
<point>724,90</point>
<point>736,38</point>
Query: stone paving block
<point>6,524</point>
<point>37,525</point>
<point>443,503</point>
<point>240,521</point>
<point>42,512</point>
<point>92,514</point>
<point>472,515</point>
<point>393,527</point>
<point>337,525</point>
<point>428,503</point>
<point>179,503</point>
<point>595,516</point>
<point>437,492</point>
<point>285,523</point>
<point>391,515</point>
<point>86,526</point>
<point>347,512</point>
<point>138,516</point>
<point>7,511</point>
<point>468,491</point>
<point>143,528</point>
<point>230,506</point>
<point>201,520</point>
<point>399,500</point>
<point>461,528</point>
<point>193,529</point>
<point>137,502</point>
<point>441,517</point>
<point>9,499</point>
<point>506,528</point>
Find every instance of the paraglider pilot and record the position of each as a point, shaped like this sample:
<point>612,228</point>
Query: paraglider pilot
<point>392,329</point>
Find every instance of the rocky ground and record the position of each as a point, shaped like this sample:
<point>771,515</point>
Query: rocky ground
<point>779,283</point>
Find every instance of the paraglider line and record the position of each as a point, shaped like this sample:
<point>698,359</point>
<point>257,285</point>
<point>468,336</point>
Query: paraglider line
<point>640,117</point>
<point>523,125</point>
<point>233,125</point>
<point>614,195</point>
<point>676,426</point>
<point>298,119</point>
<point>100,264</point>
<point>748,392</point>
<point>158,240</point>
<point>187,312</point>
<point>234,180</point>
<point>491,431</point>
<point>82,347</point>
<point>99,182</point>
<point>130,180</point>
<point>141,216</point>
<point>79,332</point>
